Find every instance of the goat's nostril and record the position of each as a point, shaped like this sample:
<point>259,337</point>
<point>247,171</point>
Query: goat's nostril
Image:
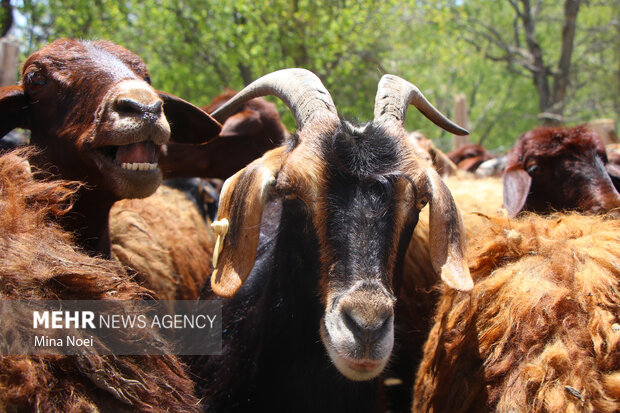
<point>131,106</point>
<point>366,331</point>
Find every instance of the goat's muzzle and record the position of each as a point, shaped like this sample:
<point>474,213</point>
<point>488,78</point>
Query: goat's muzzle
<point>358,331</point>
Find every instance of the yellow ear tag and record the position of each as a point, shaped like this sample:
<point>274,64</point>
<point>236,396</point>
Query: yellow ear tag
<point>220,228</point>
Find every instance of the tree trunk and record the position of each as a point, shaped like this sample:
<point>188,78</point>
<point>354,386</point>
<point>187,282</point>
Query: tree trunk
<point>561,77</point>
<point>551,101</point>
<point>539,70</point>
<point>6,13</point>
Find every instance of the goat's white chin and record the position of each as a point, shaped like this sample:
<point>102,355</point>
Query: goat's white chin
<point>352,368</point>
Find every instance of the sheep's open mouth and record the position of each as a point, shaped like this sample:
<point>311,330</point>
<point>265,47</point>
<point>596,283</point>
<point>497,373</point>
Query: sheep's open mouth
<point>140,156</point>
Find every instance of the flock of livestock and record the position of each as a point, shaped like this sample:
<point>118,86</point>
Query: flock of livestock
<point>359,268</point>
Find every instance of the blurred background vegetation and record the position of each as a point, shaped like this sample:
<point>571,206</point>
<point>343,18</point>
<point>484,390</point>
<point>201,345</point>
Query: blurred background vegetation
<point>519,63</point>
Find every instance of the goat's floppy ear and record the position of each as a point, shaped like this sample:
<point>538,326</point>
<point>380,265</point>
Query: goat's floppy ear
<point>447,236</point>
<point>188,123</point>
<point>13,109</point>
<point>239,214</point>
<point>517,183</point>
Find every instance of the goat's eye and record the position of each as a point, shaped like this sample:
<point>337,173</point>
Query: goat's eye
<point>147,79</point>
<point>421,203</point>
<point>36,79</point>
<point>286,193</point>
<point>532,169</point>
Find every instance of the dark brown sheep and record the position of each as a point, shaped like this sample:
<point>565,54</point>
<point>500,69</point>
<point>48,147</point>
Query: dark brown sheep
<point>470,156</point>
<point>558,169</point>
<point>91,109</point>
<point>254,128</point>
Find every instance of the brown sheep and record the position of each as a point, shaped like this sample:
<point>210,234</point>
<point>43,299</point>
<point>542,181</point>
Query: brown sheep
<point>540,330</point>
<point>38,261</point>
<point>443,165</point>
<point>559,169</point>
<point>254,128</point>
<point>165,240</point>
<point>470,156</point>
<point>613,166</point>
<point>91,109</point>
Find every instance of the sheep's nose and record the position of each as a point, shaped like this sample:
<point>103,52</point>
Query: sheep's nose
<point>368,328</point>
<point>137,99</point>
<point>129,105</point>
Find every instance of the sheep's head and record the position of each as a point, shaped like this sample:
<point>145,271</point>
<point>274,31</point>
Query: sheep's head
<point>555,169</point>
<point>361,188</point>
<point>91,107</point>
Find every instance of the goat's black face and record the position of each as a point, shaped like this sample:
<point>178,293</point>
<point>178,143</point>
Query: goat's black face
<point>361,189</point>
<point>360,206</point>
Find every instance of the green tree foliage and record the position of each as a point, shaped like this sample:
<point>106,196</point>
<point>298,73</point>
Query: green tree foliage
<point>197,48</point>
<point>6,17</point>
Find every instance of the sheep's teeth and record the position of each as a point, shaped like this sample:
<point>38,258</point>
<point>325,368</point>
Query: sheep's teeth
<point>139,166</point>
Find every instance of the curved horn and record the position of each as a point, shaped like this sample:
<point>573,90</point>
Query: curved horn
<point>394,95</point>
<point>300,89</point>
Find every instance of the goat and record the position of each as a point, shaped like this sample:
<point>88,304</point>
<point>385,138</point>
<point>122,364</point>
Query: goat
<point>91,109</point>
<point>39,261</point>
<point>311,239</point>
<point>247,134</point>
<point>558,169</point>
<point>469,157</point>
<point>539,331</point>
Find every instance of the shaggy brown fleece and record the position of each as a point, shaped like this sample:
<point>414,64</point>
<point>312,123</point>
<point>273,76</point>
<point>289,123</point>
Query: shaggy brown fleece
<point>38,261</point>
<point>165,241</point>
<point>540,331</point>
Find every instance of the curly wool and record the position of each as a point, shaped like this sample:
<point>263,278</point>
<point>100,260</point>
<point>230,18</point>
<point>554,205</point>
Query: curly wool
<point>539,332</point>
<point>38,261</point>
<point>165,241</point>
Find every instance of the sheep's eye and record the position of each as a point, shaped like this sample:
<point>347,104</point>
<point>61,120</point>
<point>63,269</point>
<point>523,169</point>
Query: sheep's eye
<point>421,203</point>
<point>532,169</point>
<point>36,79</point>
<point>147,79</point>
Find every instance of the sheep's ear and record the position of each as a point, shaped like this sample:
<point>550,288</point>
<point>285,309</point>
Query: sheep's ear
<point>239,214</point>
<point>246,122</point>
<point>447,236</point>
<point>13,109</point>
<point>614,173</point>
<point>188,123</point>
<point>517,185</point>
